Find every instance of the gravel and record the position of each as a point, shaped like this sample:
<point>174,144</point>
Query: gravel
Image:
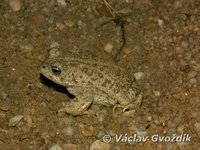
<point>98,145</point>
<point>108,47</point>
<point>56,147</point>
<point>162,49</point>
<point>15,5</point>
<point>139,75</point>
<point>192,74</point>
<point>15,120</point>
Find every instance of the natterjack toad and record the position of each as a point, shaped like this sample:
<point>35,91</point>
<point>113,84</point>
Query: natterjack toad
<point>92,82</point>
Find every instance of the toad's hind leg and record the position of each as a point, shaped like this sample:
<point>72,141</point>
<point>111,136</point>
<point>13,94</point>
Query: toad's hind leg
<point>79,104</point>
<point>132,105</point>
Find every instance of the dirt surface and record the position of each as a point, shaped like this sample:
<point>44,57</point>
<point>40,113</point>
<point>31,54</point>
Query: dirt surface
<point>162,47</point>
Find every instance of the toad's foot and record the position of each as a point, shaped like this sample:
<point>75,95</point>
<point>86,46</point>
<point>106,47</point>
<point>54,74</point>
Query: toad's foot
<point>124,108</point>
<point>130,106</point>
<point>76,108</point>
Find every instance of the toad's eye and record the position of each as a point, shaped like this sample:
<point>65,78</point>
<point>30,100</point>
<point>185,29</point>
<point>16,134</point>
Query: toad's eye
<point>56,70</point>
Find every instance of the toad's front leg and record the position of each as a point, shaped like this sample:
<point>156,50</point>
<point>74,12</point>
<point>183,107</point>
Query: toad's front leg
<point>80,103</point>
<point>76,107</point>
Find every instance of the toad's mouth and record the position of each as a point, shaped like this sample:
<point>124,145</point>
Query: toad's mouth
<point>51,84</point>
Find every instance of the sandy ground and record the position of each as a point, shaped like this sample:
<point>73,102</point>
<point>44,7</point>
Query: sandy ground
<point>162,45</point>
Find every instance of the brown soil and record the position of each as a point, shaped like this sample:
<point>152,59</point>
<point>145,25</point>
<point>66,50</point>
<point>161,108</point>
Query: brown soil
<point>162,41</point>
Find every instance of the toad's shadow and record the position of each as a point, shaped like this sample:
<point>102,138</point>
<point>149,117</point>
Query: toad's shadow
<point>57,87</point>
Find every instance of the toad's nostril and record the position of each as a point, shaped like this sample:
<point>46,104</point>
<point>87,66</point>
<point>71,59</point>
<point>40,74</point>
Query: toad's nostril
<point>43,66</point>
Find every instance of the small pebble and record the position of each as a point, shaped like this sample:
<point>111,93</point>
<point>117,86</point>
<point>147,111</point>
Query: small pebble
<point>60,26</point>
<point>160,22</point>
<point>101,115</point>
<point>100,134</point>
<point>177,4</point>
<point>197,127</point>
<point>180,128</point>
<point>139,75</point>
<point>195,99</point>
<point>188,56</point>
<point>184,44</point>
<point>125,11</point>
<point>108,47</point>
<point>191,74</point>
<point>171,131</point>
<point>4,94</point>
<point>26,48</point>
<point>98,145</point>
<point>61,2</point>
<point>56,147</point>
<point>87,131</point>
<point>127,51</point>
<point>69,23</point>
<point>116,148</point>
<point>141,133</point>
<point>139,130</point>
<point>193,81</point>
<point>174,123</point>
<point>111,132</point>
<point>54,44</point>
<point>196,114</point>
<point>139,3</point>
<point>70,147</point>
<point>45,137</point>
<point>156,93</point>
<point>169,146</point>
<point>69,131</point>
<point>15,5</point>
<point>15,120</point>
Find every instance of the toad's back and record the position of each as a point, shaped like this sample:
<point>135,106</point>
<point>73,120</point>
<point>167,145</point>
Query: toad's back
<point>105,76</point>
